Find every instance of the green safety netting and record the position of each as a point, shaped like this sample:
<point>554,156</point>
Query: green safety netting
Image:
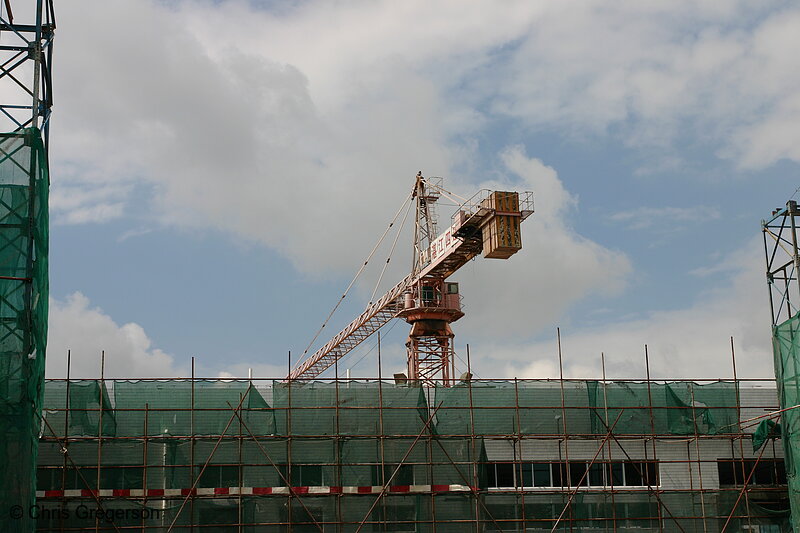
<point>680,408</point>
<point>369,409</point>
<point>361,452</point>
<point>376,425</point>
<point>352,408</point>
<point>23,315</point>
<point>85,400</point>
<point>767,429</point>
<point>490,408</point>
<point>589,407</point>
<point>181,408</point>
<point>175,408</point>
<point>786,349</point>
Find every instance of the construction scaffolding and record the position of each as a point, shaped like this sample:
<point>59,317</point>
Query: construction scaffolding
<point>345,455</point>
<point>783,266</point>
<point>23,315</point>
<point>25,81</point>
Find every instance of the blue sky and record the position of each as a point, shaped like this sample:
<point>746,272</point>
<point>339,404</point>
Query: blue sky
<point>221,169</point>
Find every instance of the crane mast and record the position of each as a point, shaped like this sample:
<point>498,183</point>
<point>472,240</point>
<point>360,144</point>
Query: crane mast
<point>425,221</point>
<point>488,223</point>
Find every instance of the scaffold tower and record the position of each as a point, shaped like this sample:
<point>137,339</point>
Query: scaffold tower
<point>783,265</point>
<point>26,37</point>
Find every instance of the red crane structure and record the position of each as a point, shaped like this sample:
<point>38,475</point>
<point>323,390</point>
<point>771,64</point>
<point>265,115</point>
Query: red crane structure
<point>488,223</point>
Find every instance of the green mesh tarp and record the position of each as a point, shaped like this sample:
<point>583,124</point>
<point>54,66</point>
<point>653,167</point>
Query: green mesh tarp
<point>786,350</point>
<point>357,413</point>
<point>162,411</point>
<point>85,400</point>
<point>490,408</point>
<point>352,408</point>
<point>766,429</point>
<point>680,408</point>
<point>23,315</point>
<point>752,514</point>
<point>167,405</point>
<point>535,408</point>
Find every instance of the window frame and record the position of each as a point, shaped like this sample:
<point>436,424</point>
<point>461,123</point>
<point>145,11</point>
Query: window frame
<point>524,476</point>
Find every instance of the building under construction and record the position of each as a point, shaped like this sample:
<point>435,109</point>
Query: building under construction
<point>378,455</point>
<point>425,450</point>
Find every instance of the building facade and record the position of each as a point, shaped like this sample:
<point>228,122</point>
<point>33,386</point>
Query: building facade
<point>341,456</point>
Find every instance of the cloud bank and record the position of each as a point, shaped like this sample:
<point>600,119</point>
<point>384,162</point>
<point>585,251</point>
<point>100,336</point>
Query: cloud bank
<point>87,331</point>
<point>284,128</point>
<point>690,342</point>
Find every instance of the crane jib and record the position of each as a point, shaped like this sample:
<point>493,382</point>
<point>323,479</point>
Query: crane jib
<point>490,225</point>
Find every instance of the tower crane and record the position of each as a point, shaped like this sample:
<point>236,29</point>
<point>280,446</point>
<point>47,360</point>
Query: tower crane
<point>487,223</point>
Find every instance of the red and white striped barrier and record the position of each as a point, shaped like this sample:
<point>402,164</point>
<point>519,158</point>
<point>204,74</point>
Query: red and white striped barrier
<point>247,491</point>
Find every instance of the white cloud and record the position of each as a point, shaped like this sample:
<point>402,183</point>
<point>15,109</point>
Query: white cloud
<point>87,203</point>
<point>234,139</point>
<point>658,72</point>
<point>556,267</point>
<point>301,130</point>
<point>693,342</point>
<point>669,217</point>
<point>87,331</point>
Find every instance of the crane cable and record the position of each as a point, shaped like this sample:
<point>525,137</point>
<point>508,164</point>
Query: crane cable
<point>391,252</point>
<point>373,346</point>
<point>450,195</point>
<point>360,271</point>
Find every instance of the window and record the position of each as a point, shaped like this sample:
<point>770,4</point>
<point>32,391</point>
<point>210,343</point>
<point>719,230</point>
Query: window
<point>618,473</point>
<point>309,476</point>
<point>427,294</point>
<point>633,474</point>
<point>304,475</point>
<point>577,474</point>
<point>48,478</point>
<point>536,474</point>
<point>217,476</point>
<point>597,475</point>
<point>121,477</point>
<point>554,474</point>
<point>541,475</point>
<point>501,475</point>
<point>559,471</point>
<point>224,516</point>
<point>404,475</point>
<point>111,477</point>
<point>304,513</point>
<point>734,472</point>
<point>638,474</point>
<point>396,514</point>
